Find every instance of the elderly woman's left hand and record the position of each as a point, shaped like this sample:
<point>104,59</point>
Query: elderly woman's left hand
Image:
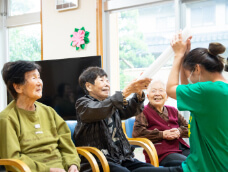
<point>73,168</point>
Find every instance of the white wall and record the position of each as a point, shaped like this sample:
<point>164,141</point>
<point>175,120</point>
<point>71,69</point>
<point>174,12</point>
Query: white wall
<point>58,26</point>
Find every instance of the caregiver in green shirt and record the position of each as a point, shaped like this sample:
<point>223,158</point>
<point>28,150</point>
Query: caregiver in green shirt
<point>31,131</point>
<point>207,100</point>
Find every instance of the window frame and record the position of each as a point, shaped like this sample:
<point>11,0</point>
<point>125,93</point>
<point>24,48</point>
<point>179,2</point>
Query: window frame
<point>3,53</point>
<point>202,3</point>
<point>226,13</point>
<point>23,20</point>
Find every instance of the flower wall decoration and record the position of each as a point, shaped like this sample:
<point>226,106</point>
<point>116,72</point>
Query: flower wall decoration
<point>79,38</point>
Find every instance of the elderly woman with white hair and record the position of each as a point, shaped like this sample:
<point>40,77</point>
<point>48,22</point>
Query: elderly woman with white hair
<point>164,126</point>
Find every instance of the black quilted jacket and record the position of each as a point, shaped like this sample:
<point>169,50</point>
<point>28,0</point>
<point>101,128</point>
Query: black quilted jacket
<point>92,128</point>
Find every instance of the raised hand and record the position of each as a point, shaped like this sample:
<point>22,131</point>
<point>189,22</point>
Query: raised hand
<point>136,86</point>
<point>179,46</point>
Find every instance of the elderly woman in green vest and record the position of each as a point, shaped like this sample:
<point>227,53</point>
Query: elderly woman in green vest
<point>31,131</point>
<point>164,126</point>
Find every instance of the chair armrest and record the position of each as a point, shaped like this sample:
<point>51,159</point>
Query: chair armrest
<point>100,156</point>
<point>124,129</point>
<point>147,148</point>
<point>152,155</point>
<point>16,163</point>
<point>151,145</point>
<point>90,158</point>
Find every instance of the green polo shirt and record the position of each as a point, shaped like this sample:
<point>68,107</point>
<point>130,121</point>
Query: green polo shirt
<point>208,125</point>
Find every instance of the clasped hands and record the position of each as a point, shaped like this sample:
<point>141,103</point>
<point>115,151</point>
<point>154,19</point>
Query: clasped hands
<point>171,134</point>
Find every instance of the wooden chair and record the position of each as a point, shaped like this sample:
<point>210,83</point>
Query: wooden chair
<point>145,143</point>
<point>24,168</point>
<point>104,163</point>
<point>87,152</point>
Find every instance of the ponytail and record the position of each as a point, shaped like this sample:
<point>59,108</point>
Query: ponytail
<point>209,58</point>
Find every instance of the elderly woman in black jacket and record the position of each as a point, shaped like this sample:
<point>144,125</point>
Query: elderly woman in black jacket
<point>99,120</point>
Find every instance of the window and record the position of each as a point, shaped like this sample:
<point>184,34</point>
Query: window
<point>138,33</point>
<point>19,7</point>
<point>24,43</point>
<point>23,30</point>
<point>142,34</point>
<point>207,23</point>
<point>202,15</point>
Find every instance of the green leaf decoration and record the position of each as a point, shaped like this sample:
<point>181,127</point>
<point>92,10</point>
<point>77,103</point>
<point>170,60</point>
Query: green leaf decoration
<point>86,40</point>
<point>83,28</point>
<point>77,48</point>
<point>83,46</point>
<point>71,36</point>
<point>86,33</point>
<point>76,29</point>
<point>71,43</point>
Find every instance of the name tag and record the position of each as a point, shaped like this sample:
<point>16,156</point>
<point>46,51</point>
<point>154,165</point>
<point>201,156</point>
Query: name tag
<point>39,132</point>
<point>37,126</point>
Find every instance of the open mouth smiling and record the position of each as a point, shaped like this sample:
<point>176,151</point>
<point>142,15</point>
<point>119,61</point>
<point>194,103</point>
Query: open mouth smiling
<point>105,89</point>
<point>157,99</point>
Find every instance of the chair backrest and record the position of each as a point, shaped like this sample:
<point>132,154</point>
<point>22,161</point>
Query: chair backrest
<point>71,124</point>
<point>129,123</point>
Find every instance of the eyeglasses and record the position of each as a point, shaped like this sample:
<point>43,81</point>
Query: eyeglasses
<point>159,91</point>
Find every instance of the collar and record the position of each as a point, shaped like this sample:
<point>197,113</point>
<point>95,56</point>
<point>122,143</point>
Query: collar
<point>92,98</point>
<point>164,111</point>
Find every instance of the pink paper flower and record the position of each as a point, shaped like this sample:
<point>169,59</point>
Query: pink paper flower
<point>78,38</point>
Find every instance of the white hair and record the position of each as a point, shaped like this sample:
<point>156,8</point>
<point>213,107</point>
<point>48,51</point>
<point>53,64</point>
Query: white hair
<point>153,82</point>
